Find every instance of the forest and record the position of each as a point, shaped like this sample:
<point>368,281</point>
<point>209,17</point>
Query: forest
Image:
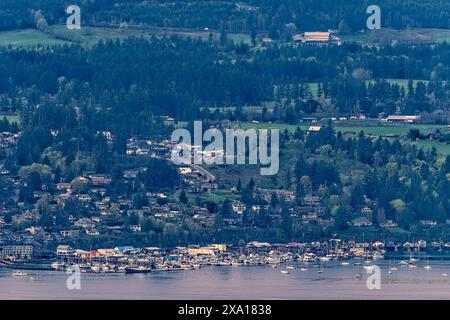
<point>276,17</point>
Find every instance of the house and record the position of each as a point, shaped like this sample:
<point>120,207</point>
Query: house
<point>388,224</point>
<point>314,128</point>
<point>361,222</point>
<point>63,186</point>
<point>242,6</point>
<point>16,252</point>
<point>238,207</point>
<point>69,233</point>
<point>311,200</point>
<point>430,223</point>
<point>136,228</point>
<point>205,251</point>
<point>366,211</point>
<point>100,179</point>
<point>63,250</point>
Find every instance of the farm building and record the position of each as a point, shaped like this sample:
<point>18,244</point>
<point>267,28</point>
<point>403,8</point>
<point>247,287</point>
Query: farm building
<point>316,37</point>
<point>407,119</point>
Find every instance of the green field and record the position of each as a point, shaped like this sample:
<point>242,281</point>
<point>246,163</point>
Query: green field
<point>28,38</point>
<point>220,196</point>
<point>442,148</point>
<point>372,127</point>
<point>10,118</point>
<point>369,127</point>
<point>89,36</point>
<point>387,36</point>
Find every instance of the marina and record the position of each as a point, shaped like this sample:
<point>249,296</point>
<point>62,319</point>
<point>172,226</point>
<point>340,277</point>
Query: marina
<point>245,282</point>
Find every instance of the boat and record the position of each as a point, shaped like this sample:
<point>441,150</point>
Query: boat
<point>427,267</point>
<point>140,269</point>
<point>19,274</point>
<point>345,263</point>
<point>303,269</point>
<point>95,268</point>
<point>57,266</point>
<point>290,268</point>
<point>284,271</point>
<point>324,259</point>
<point>392,267</point>
<point>369,267</point>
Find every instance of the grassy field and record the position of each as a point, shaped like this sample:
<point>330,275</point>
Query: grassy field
<point>220,196</point>
<point>442,148</point>
<point>28,38</point>
<point>371,127</point>
<point>386,35</point>
<point>89,36</point>
<point>10,118</point>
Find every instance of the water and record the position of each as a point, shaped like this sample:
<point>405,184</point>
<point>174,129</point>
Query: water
<point>239,282</point>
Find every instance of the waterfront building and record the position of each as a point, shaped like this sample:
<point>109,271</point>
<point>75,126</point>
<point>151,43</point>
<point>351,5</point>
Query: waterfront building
<point>16,252</point>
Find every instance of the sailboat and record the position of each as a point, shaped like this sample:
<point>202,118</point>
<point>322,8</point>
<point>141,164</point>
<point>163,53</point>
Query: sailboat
<point>427,267</point>
<point>320,268</point>
<point>393,268</point>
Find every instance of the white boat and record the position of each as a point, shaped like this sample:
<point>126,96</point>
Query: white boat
<point>303,269</point>
<point>95,268</point>
<point>345,263</point>
<point>369,267</point>
<point>427,267</point>
<point>57,266</point>
<point>284,271</point>
<point>444,274</point>
<point>290,268</point>
<point>19,274</point>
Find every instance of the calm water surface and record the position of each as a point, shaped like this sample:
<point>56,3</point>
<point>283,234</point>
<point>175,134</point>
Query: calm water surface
<point>262,282</point>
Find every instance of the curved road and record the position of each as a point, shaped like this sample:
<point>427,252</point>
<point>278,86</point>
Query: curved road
<point>204,172</point>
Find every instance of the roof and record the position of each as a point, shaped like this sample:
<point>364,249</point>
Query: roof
<point>403,117</point>
<point>315,128</point>
<point>317,36</point>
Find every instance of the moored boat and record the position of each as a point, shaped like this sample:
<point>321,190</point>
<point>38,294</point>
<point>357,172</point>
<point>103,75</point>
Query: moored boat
<point>140,269</point>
